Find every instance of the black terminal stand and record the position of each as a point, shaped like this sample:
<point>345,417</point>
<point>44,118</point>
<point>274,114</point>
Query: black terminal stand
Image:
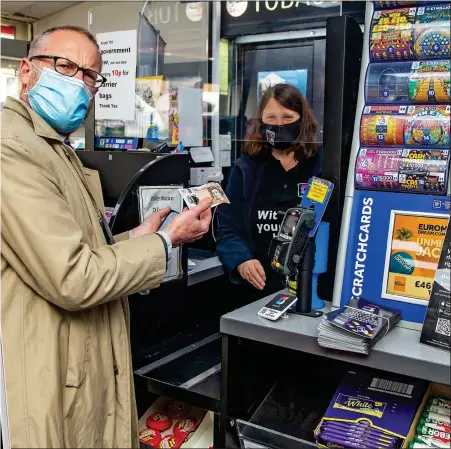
<point>292,253</point>
<point>304,283</point>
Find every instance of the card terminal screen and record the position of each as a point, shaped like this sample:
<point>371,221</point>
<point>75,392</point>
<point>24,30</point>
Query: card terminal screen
<point>289,224</point>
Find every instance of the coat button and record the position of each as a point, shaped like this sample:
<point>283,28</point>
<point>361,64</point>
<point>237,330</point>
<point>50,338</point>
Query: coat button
<point>285,186</point>
<point>116,370</point>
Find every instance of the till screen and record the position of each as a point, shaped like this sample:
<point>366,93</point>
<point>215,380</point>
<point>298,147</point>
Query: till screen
<point>289,225</point>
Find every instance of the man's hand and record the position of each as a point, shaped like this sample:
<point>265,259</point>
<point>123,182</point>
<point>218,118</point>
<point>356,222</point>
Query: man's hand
<point>191,224</point>
<point>152,223</point>
<point>253,272</point>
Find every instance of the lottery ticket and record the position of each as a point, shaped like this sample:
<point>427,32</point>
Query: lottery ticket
<point>193,196</point>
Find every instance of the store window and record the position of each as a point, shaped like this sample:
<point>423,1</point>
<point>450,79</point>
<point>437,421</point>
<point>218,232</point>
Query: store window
<point>8,32</point>
<point>9,80</point>
<point>172,68</point>
<point>15,29</point>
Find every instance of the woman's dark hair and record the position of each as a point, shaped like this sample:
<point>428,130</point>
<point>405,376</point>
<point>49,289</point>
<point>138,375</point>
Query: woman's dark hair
<point>289,97</point>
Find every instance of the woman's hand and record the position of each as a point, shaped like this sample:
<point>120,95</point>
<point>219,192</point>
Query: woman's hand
<point>253,272</point>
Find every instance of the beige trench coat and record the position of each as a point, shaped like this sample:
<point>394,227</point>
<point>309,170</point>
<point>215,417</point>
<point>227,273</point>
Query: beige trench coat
<point>64,312</point>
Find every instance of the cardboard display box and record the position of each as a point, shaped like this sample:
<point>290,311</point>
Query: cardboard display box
<point>201,437</point>
<point>434,389</point>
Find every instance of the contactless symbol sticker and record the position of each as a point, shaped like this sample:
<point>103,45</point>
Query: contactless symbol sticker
<point>301,189</point>
<point>282,300</point>
<point>270,136</point>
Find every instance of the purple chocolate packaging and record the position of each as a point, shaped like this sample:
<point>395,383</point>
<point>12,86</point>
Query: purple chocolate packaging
<point>327,438</point>
<point>358,438</point>
<point>359,430</point>
<point>387,402</point>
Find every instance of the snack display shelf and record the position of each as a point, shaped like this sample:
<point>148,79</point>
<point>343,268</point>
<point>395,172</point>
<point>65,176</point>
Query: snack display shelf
<point>398,352</point>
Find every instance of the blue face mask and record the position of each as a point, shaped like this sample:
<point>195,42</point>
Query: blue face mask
<point>61,101</point>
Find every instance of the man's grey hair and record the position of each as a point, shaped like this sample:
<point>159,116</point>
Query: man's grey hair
<point>38,42</point>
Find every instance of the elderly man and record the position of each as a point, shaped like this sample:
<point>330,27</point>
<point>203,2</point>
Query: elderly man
<point>64,315</point>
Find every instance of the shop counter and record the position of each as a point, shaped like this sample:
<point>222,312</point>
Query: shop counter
<point>398,352</point>
<point>277,382</point>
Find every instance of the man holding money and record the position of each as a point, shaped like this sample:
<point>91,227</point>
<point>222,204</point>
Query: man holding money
<point>65,278</point>
<point>211,190</point>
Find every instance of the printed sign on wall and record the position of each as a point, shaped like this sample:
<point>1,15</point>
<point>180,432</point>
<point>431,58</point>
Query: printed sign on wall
<point>116,98</point>
<point>413,251</point>
<point>373,234</point>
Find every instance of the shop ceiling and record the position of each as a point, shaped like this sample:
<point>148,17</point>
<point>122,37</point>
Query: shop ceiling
<point>32,11</point>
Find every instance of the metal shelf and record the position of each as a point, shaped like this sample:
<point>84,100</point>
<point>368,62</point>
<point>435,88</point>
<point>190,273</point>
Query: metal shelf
<point>191,374</point>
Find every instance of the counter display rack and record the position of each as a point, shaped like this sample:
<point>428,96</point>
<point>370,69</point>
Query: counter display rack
<point>400,158</point>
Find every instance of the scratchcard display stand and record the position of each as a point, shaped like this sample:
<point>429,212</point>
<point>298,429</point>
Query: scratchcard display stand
<point>397,198</point>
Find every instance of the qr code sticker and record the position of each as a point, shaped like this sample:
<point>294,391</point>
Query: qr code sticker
<point>443,327</point>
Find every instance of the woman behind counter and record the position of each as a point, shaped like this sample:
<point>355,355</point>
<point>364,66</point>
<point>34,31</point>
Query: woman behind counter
<point>280,155</point>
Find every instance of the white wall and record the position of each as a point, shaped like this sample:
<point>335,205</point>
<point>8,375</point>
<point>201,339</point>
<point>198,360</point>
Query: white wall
<point>78,14</point>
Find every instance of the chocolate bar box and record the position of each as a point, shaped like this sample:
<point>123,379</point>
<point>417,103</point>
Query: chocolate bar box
<point>387,402</point>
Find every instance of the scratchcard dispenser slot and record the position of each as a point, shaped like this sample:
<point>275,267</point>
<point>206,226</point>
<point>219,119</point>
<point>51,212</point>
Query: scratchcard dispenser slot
<point>408,82</point>
<point>406,126</point>
<point>402,170</point>
<point>410,33</point>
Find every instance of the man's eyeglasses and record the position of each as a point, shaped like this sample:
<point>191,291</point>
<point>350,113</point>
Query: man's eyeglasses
<point>68,68</point>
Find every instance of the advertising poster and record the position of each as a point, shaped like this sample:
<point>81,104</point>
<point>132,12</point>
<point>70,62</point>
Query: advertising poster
<point>116,98</point>
<point>149,108</point>
<point>413,252</point>
<point>173,116</point>
<point>296,78</point>
<point>436,328</point>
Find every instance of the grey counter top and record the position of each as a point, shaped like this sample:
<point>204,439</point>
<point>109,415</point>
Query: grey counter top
<point>398,352</point>
<point>203,268</point>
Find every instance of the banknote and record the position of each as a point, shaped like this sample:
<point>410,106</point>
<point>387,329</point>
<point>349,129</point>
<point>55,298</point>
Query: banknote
<point>213,190</point>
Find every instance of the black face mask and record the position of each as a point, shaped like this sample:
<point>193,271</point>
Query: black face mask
<point>280,137</point>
